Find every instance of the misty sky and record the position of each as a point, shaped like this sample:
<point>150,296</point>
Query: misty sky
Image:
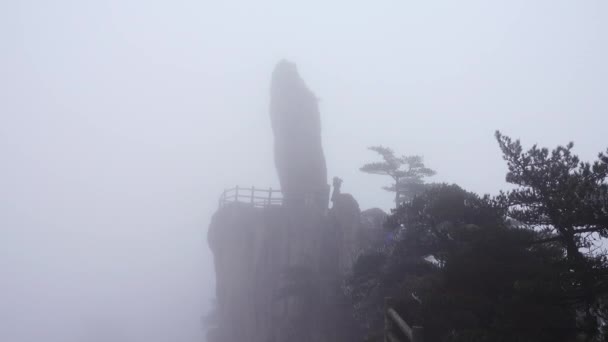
<point>122,121</point>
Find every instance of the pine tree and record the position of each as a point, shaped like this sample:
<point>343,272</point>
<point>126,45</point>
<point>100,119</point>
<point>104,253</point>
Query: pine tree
<point>407,172</point>
<point>566,199</point>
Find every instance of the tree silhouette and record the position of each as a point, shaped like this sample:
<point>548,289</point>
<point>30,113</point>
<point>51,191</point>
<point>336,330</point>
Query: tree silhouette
<point>456,267</point>
<point>568,200</point>
<point>407,172</point>
<point>556,192</point>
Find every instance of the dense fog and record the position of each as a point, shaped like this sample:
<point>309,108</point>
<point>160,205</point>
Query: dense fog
<point>121,122</point>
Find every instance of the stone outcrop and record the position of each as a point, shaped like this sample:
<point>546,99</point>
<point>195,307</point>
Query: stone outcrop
<point>296,125</point>
<point>346,218</point>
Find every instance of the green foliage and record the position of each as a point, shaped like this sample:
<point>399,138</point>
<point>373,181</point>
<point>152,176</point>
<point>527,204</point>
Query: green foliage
<point>517,267</point>
<point>443,202</point>
<point>455,267</point>
<point>407,172</point>
<point>566,199</point>
<point>556,191</point>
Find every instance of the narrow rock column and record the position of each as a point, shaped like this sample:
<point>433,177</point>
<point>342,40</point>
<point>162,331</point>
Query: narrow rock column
<point>298,150</point>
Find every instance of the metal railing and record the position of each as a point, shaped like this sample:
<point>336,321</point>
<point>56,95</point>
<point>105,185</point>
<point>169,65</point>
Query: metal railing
<point>264,198</point>
<point>257,198</point>
<point>395,327</point>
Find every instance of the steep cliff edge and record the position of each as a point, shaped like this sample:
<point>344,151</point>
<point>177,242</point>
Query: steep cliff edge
<point>276,272</point>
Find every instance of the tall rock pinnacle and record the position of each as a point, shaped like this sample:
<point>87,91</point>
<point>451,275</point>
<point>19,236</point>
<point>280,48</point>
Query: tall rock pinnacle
<point>296,124</point>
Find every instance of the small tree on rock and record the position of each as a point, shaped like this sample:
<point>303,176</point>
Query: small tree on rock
<point>407,172</point>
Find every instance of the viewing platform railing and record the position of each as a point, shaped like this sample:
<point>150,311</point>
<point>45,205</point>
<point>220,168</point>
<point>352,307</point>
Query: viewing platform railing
<point>257,198</point>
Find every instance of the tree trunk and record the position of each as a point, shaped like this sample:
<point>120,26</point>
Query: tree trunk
<point>580,265</point>
<point>396,192</point>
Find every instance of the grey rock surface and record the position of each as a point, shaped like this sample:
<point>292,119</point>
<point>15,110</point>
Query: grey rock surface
<point>296,125</point>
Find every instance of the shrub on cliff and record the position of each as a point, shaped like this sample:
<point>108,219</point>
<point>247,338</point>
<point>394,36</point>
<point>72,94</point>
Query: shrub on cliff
<point>457,268</point>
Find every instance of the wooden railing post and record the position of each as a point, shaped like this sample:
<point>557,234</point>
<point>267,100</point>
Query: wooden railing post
<point>269,196</point>
<point>394,322</point>
<point>387,320</point>
<point>256,198</point>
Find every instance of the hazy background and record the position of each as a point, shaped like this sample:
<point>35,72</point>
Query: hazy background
<point>122,121</point>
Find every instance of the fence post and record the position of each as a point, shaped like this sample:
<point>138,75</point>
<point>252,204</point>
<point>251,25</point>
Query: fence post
<point>269,196</point>
<point>252,192</point>
<point>387,323</point>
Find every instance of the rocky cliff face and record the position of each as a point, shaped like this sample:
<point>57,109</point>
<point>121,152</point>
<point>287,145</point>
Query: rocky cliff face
<point>276,271</point>
<point>279,272</point>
